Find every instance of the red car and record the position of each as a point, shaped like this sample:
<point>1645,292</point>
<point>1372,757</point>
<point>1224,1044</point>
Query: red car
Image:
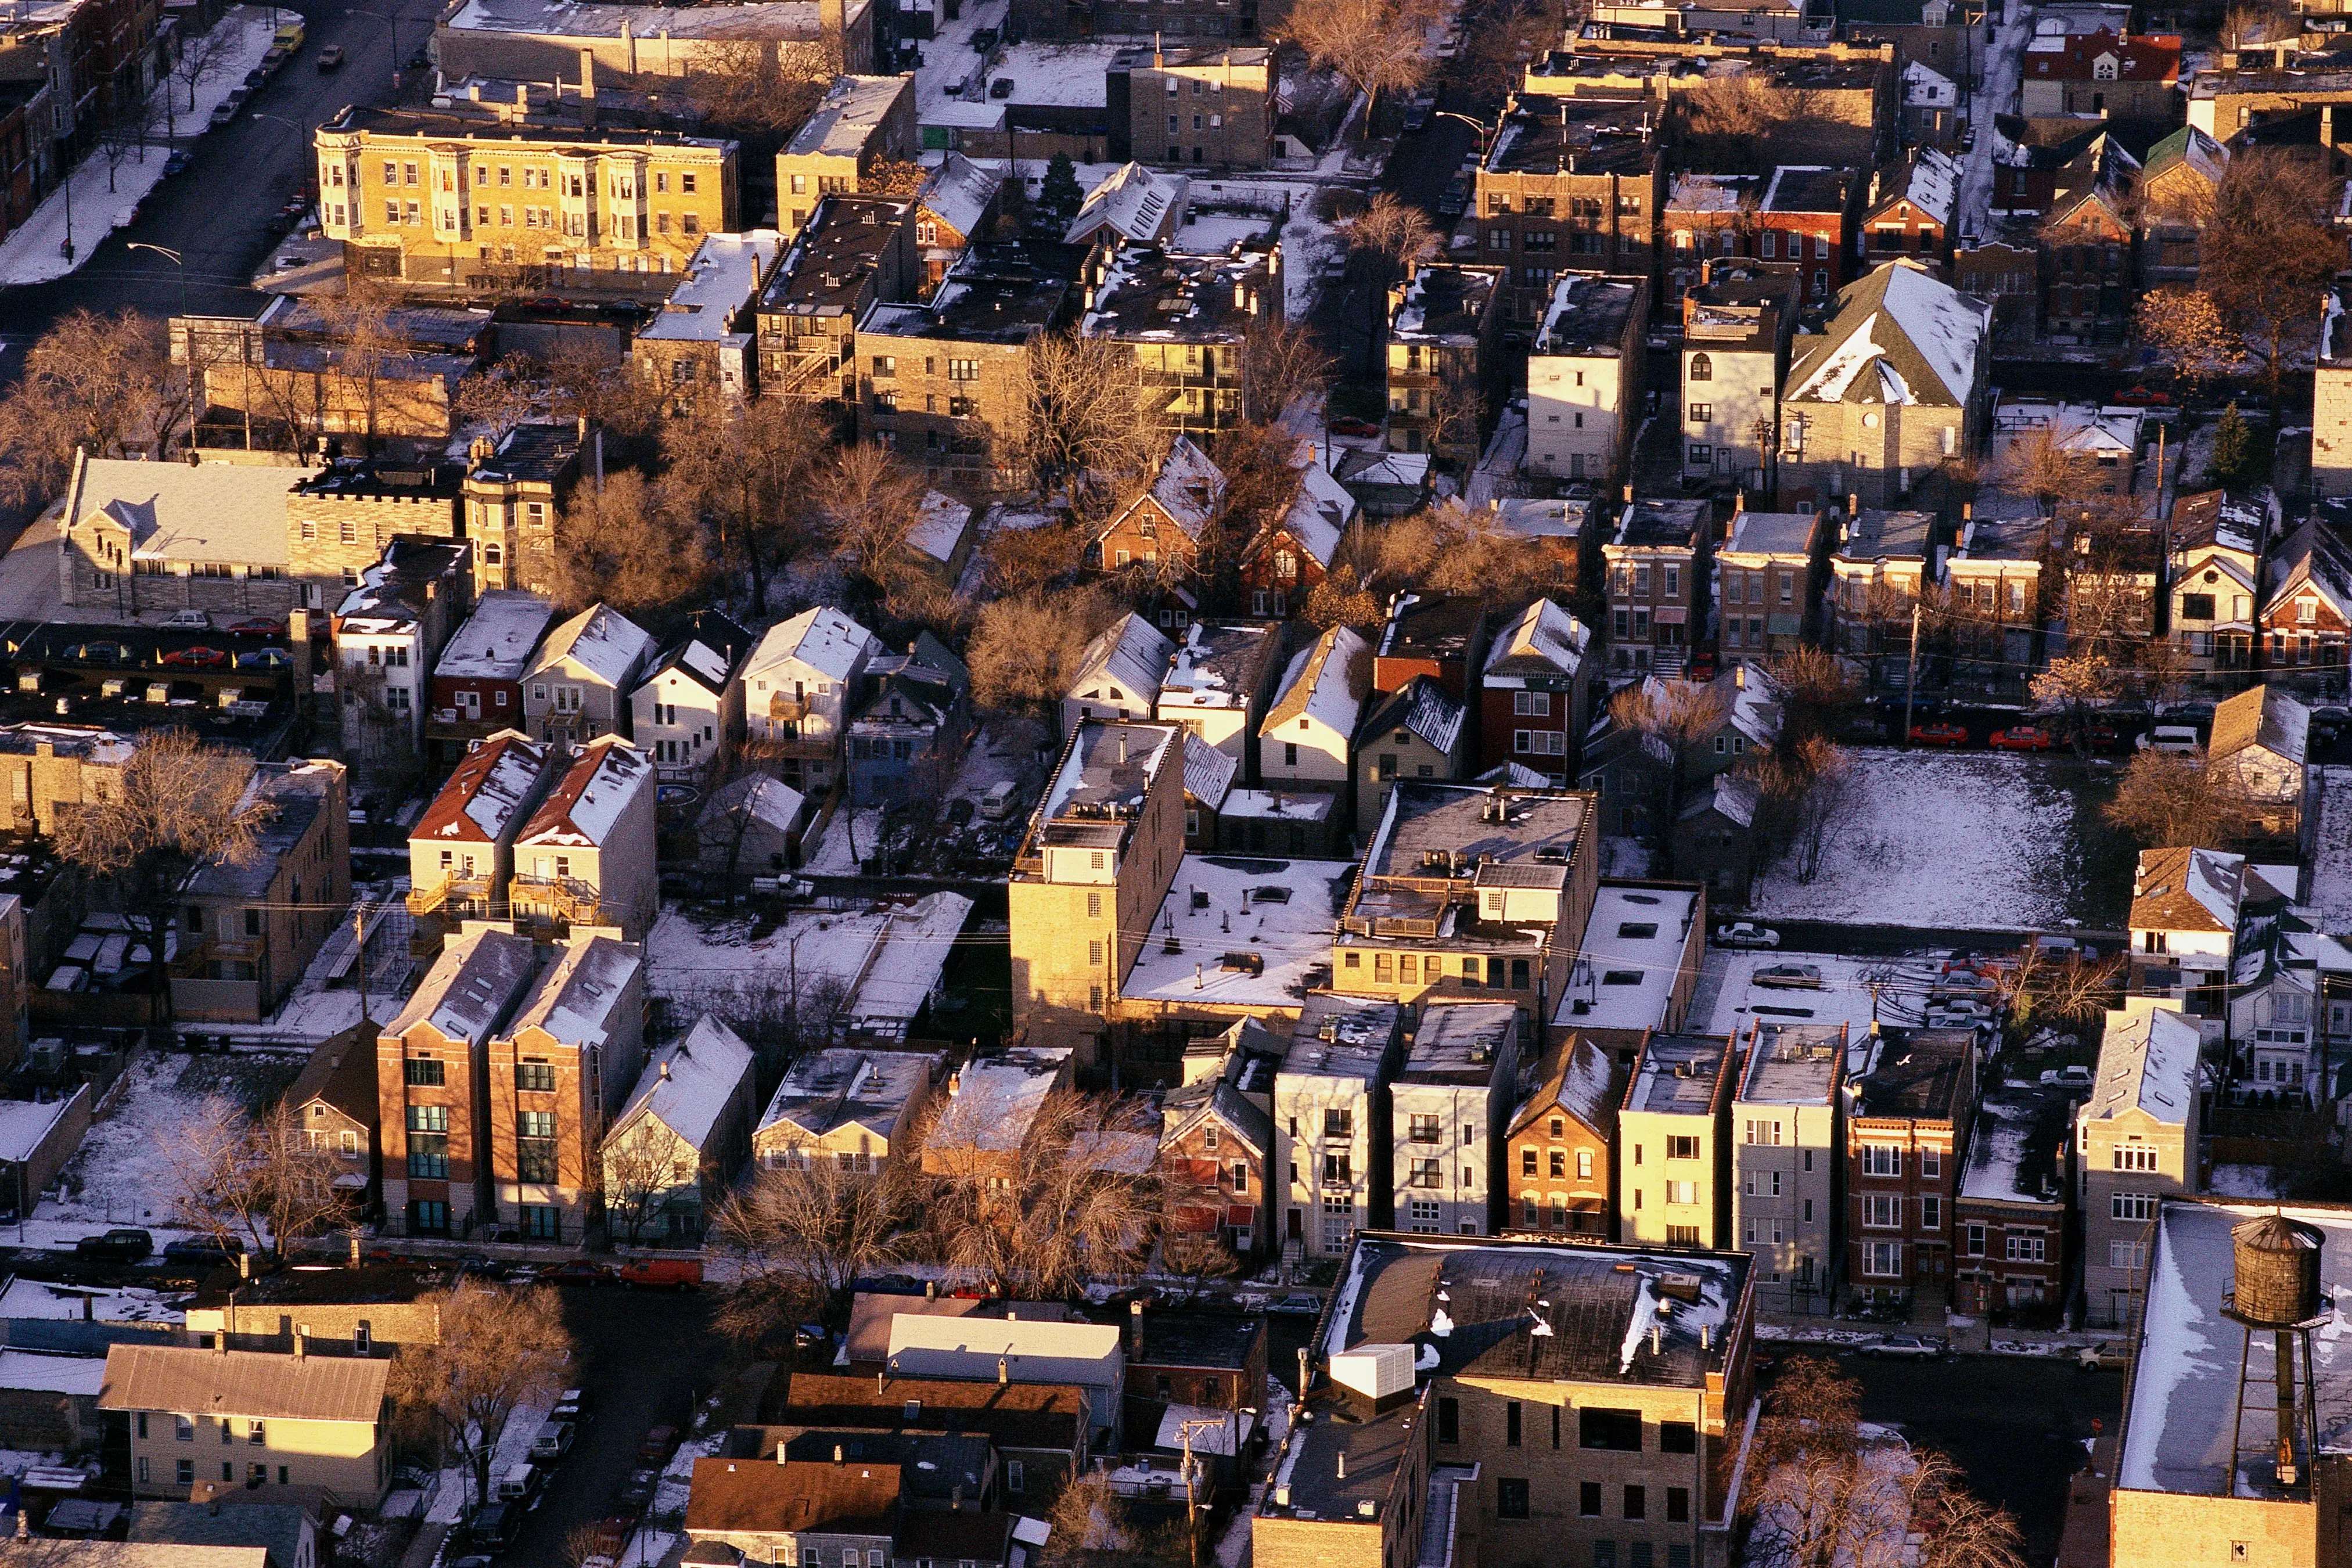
<point>258,626</point>
<point>659,1444</point>
<point>612,1534</point>
<point>202,657</point>
<point>2141,398</point>
<point>1939,734</point>
<point>2023,738</point>
<point>1348,426</point>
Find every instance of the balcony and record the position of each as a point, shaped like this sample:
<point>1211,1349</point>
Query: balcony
<point>460,895</point>
<point>564,900</point>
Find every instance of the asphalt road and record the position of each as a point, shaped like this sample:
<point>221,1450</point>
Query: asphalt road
<point>216,213</point>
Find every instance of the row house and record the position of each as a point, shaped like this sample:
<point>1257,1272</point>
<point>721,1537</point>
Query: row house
<point>1331,1109</point>
<point>478,681</point>
<point>1293,552</point>
<point>580,679</point>
<point>1893,390</point>
<point>1417,732</point>
<point>2137,1140</point>
<point>1788,1161</point>
<point>2187,905</point>
<point>2179,179</point>
<point>516,489</point>
<point>798,685</point>
<point>585,859</point>
<point>461,851</point>
<point>1535,693</point>
<point>1217,1143</point>
<point>1769,569</point>
<point>1444,361</point>
<point>1739,321</point>
<point>855,252</point>
<point>1911,207</point>
<point>1163,531</point>
<point>1585,376</point>
<point>1560,1151</point>
<point>1448,1103</point>
<point>1638,968</point>
<point>678,1142</point>
<point>1568,181</point>
<point>138,536</point>
<point>1882,561</point>
<point>1907,1123</point>
<point>2090,241</point>
<point>2305,619</point>
<point>938,377</point>
<point>2214,578</point>
<point>1304,739</point>
<point>959,206</point>
<point>687,711</point>
<point>1806,217</point>
<point>1706,217</point>
<point>2288,1012</point>
<point>1673,1142</point>
<point>1993,582</point>
<point>1658,564</point>
<point>2256,753</point>
<point>2011,1222</point>
<point>388,633</point>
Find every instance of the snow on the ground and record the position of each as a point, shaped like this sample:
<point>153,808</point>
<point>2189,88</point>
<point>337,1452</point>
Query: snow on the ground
<point>1503,457</point>
<point>1993,96</point>
<point>677,1480</point>
<point>1733,999</point>
<point>123,1173</point>
<point>1308,239</point>
<point>2258,1182</point>
<point>707,959</point>
<point>452,1490</point>
<point>1622,857</point>
<point>1962,841</point>
<point>852,831</point>
<point>32,254</point>
<point>647,1548</point>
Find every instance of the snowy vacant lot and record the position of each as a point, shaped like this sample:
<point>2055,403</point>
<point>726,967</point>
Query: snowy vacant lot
<point>123,1173</point>
<point>1960,841</point>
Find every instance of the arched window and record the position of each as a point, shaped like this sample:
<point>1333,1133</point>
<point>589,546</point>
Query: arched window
<point>1702,368</point>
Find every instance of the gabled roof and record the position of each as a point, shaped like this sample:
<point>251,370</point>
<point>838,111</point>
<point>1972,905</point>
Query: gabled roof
<point>1318,513</point>
<point>1544,639</point>
<point>255,1386</point>
<point>1144,205</point>
<point>2269,717</point>
<point>1729,795</point>
<point>2148,1062</point>
<point>688,1084</point>
<point>1130,654</point>
<point>1208,772</point>
<point>495,782</point>
<point>1901,335</point>
<point>765,799</point>
<point>606,643</point>
<point>497,640</point>
<point>1930,181</point>
<point>470,988</point>
<point>823,638</point>
<point>1186,1108</point>
<point>1328,682</point>
<point>1580,1079</point>
<point>1422,707</point>
<point>2188,889</point>
<point>2076,57</point>
<point>2203,156</point>
<point>574,999</point>
<point>958,194</point>
<point>2315,557</point>
<point>590,797</point>
<point>1189,487</point>
<point>760,1496</point>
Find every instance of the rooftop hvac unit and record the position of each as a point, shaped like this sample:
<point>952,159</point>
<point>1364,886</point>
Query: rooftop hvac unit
<point>1375,1371</point>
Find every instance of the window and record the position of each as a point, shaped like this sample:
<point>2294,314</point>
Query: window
<point>535,1146</point>
<point>183,1428</point>
<point>1014,1479</point>
<point>1588,1498</point>
<point>1514,1423</point>
<point>1760,1132</point>
<point>1678,1438</point>
<point>255,1433</point>
<point>1637,1502</point>
<point>1618,1431</point>
<point>1424,1129</point>
<point>1682,1148</point>
<point>2026,1246</point>
<point>1701,413</point>
<point>1449,1420</point>
<point>423,1072</point>
<point>1510,1498</point>
<point>2127,1254</point>
<point>1974,1242</point>
<point>187,1472</point>
<point>1702,367</point>
<point>1883,1211</point>
<point>1677,1512</point>
<point>1882,1160</point>
<point>1682,1191</point>
<point>428,1141</point>
<point>2136,1157</point>
<point>537,1077</point>
<point>2133,1205</point>
<point>1931,1162</point>
<point>1339,1123</point>
<point>1883,1259</point>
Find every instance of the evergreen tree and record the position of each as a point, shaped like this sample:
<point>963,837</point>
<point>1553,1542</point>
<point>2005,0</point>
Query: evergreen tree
<point>2234,449</point>
<point>1061,196</point>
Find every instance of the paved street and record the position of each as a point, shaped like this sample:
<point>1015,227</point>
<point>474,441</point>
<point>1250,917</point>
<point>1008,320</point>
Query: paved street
<point>217,213</point>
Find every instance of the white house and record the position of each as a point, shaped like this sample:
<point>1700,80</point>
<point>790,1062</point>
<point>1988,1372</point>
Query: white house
<point>577,687</point>
<point>797,686</point>
<point>2135,1140</point>
<point>686,711</point>
<point>2257,752</point>
<point>1307,732</point>
<point>1120,676</point>
<point>1449,1108</point>
<point>2282,1020</point>
<point>1586,363</point>
<point>685,1130</point>
<point>387,633</point>
<point>586,856</point>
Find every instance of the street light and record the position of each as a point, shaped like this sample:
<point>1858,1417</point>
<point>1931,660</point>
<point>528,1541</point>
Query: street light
<point>393,22</point>
<point>176,260</point>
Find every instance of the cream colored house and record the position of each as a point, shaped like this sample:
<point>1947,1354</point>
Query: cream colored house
<point>1674,1143</point>
<point>1584,375</point>
<point>2331,398</point>
<point>578,687</point>
<point>1309,731</point>
<point>249,1418</point>
<point>586,856</point>
<point>2136,1142</point>
<point>797,686</point>
<point>858,1107</point>
<point>686,1128</point>
<point>461,851</point>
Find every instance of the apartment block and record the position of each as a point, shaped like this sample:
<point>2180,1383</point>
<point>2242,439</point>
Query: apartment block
<point>1769,569</point>
<point>250,927</point>
<point>341,521</point>
<point>388,632</point>
<point>516,489</point>
<point>1185,318</point>
<point>1673,1144</point>
<point>2011,1241</point>
<point>465,200</point>
<point>1195,107</point>
<point>1448,1106</point>
<point>1585,376</point>
<point>862,121</point>
<point>855,252</point>
<point>699,342</point>
<point>1658,562</point>
<point>1560,1152</point>
<point>233,1419</point>
<point>2137,1140</point>
<point>585,859</point>
<point>1331,1122</point>
<point>1444,359</point>
<point>432,1082</point>
<point>555,1075</point>
<point>1098,859</point>
<point>1788,1159</point>
<point>1569,182</point>
<point>1737,325</point>
<point>1907,1122</point>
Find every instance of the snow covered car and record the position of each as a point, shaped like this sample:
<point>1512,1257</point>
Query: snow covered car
<point>1741,933</point>
<point>1790,977</point>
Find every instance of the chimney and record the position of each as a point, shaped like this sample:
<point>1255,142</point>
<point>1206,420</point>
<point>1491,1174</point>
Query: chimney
<point>355,1249</point>
<point>588,77</point>
<point>955,1498</point>
<point>301,1337</point>
<point>1003,1369</point>
<point>584,427</point>
<point>1629,495</point>
<point>931,1286</point>
<point>1343,1465</point>
<point>1122,748</point>
<point>244,1265</point>
<point>665,1070</point>
<point>836,1454</point>
<point>1157,59</point>
<point>1854,503</point>
<point>1967,511</point>
<point>1135,1330</point>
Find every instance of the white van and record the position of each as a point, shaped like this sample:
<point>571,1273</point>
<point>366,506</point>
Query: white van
<point>999,801</point>
<point>2171,738</point>
<point>515,1484</point>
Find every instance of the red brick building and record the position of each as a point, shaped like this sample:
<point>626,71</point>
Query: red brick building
<point>1536,692</point>
<point>1294,553</point>
<point>2011,1241</point>
<point>1807,216</point>
<point>1444,638</point>
<point>1905,1134</point>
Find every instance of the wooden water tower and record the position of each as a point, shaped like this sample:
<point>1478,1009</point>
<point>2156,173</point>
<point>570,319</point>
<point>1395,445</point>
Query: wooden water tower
<point>2276,1294</point>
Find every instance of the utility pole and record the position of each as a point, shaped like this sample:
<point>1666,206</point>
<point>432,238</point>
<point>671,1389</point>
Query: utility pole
<point>1910,689</point>
<point>359,939</point>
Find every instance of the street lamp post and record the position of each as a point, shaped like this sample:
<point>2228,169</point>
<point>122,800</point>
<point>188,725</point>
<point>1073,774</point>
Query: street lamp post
<point>176,260</point>
<point>392,21</point>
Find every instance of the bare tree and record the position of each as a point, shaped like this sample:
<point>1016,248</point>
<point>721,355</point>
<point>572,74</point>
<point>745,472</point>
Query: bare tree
<point>2040,985</point>
<point>2268,250</point>
<point>2074,687</point>
<point>1082,423</point>
<point>254,1182</point>
<point>103,383</point>
<point>1678,714</point>
<point>122,136</point>
<point>641,1168</point>
<point>757,84</point>
<point>1378,46</point>
<point>744,474</point>
<point>1508,35</point>
<point>200,55</point>
<point>177,805</point>
<point>1282,361</point>
<point>1817,695</point>
<point>1026,651</point>
<point>1090,1526</point>
<point>801,1231</point>
<point>1016,561</point>
<point>1395,234</point>
<point>367,343</point>
<point>499,1350</point>
<point>1804,791</point>
<point>2166,800</point>
<point>1744,120</point>
<point>1054,1217</point>
<point>870,503</point>
<point>625,544</point>
<point>2190,332</point>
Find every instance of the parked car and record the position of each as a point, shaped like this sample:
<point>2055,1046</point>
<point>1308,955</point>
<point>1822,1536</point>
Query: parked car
<point>613,1533</point>
<point>1939,734</point>
<point>122,1245</point>
<point>494,1526</point>
<point>2107,1355</point>
<point>2022,738</point>
<point>984,39</point>
<point>1967,138</point>
<point>2074,1075</point>
<point>202,1251</point>
<point>1742,934</point>
<point>2178,738</point>
<point>99,653</point>
<point>1300,1303</point>
<point>224,111</point>
<point>199,658</point>
<point>673,1273</point>
<point>554,1440</point>
<point>258,627</point>
<point>576,1271</point>
<point>1906,1347</point>
<point>638,1490</point>
<point>178,163</point>
<point>2141,398</point>
<point>659,1444</point>
<point>254,78</point>
<point>571,1406</point>
<point>278,55</point>
<point>263,658</point>
<point>331,59</point>
<point>1792,977</point>
<point>1963,1007</point>
<point>189,620</point>
<point>1456,199</point>
<point>1349,425</point>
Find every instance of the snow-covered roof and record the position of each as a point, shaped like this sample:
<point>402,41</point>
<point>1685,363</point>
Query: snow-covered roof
<point>31,1371</point>
<point>844,121</point>
<point>576,999</point>
<point>582,810</point>
<point>1319,513</point>
<point>1543,639</point>
<point>2184,1391</point>
<point>724,276</point>
<point>2328,892</point>
<point>1032,1350</point>
<point>1582,1082</point>
<point>850,1086</point>
<point>1915,336</point>
<point>1189,488</point>
<point>1424,708</point>
<point>2188,889</point>
<point>768,801</point>
<point>495,781</point>
<point>601,641</point>
<point>992,1103</point>
<point>708,666</point>
<point>470,988</point>
<point>1731,797</point>
<point>908,966</point>
<point>2269,717</point>
<point>1130,655</point>
<point>1144,205</point>
<point>1241,931</point>
<point>2148,1062</point>
<point>2015,1151</point>
<point>23,1124</point>
<point>958,192</point>
<point>823,638</point>
<point>1932,184</point>
<point>1327,683</point>
<point>1925,88</point>
<point>1625,971</point>
<point>497,640</point>
<point>223,513</point>
<point>939,526</point>
<point>1208,772</point>
<point>688,1084</point>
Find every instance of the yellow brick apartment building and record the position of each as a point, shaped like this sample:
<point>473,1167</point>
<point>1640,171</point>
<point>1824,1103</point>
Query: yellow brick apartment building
<point>463,200</point>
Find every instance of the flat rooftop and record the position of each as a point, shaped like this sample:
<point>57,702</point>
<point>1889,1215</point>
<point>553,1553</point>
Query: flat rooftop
<point>1217,666</point>
<point>1662,524</point>
<point>1152,294</point>
<point>1587,315</point>
<point>1625,977</point>
<point>1677,1074</point>
<point>456,124</point>
<point>1445,303</point>
<point>829,265</point>
<point>1459,1043</point>
<point>1537,830</point>
<point>1241,931</point>
<point>1341,1037</point>
<point>1792,1064</point>
<point>1572,136</point>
